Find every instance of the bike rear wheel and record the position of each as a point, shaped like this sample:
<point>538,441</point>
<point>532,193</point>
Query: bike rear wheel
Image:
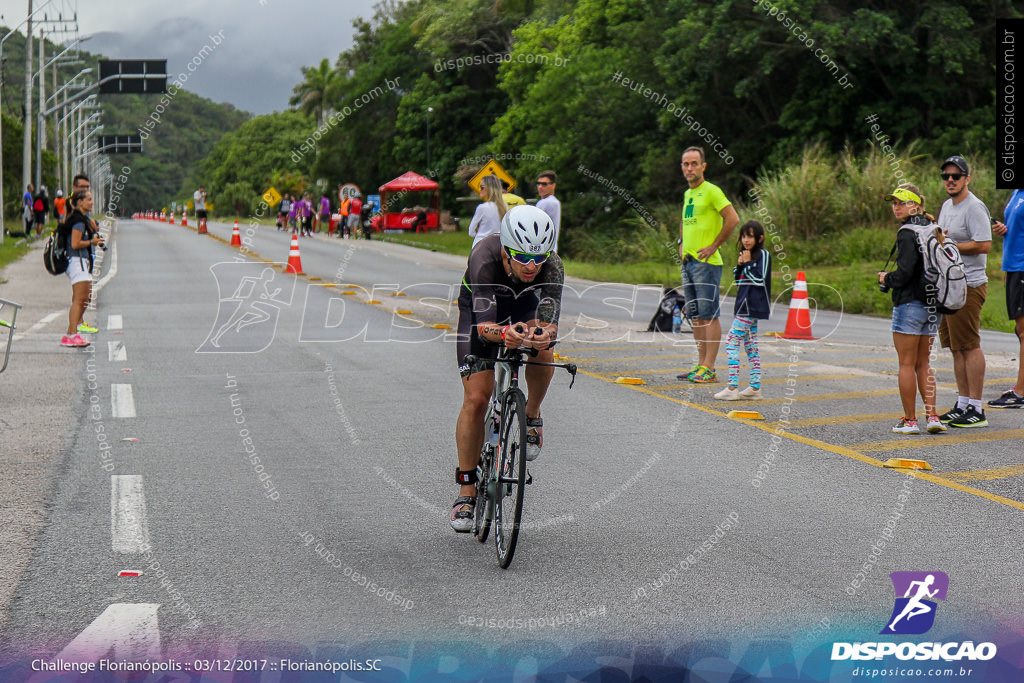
<point>510,465</point>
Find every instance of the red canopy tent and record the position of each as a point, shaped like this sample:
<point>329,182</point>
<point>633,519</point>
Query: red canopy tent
<point>402,185</point>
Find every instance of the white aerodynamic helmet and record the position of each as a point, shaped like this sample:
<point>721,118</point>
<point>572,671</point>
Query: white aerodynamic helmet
<point>528,229</point>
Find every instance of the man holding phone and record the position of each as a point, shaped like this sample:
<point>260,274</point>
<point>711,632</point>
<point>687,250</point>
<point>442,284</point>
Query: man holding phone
<point>966,221</point>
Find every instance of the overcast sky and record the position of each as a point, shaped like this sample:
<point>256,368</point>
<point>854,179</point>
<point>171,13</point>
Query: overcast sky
<point>265,42</point>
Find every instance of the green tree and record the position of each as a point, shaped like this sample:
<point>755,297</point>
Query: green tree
<point>310,92</point>
<point>246,160</point>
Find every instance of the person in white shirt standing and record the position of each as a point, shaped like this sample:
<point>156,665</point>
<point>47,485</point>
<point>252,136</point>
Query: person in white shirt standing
<point>966,221</point>
<point>199,198</point>
<point>488,215</point>
<point>548,202</point>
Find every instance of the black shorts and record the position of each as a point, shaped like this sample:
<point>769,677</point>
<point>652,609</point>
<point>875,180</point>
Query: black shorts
<point>201,213</point>
<point>1015,294</point>
<point>468,340</point>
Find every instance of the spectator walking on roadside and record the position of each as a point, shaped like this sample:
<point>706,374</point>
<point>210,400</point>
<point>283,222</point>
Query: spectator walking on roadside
<point>487,217</point>
<point>343,212</point>
<point>199,199</point>
<point>325,215</point>
<point>966,221</point>
<point>915,319</point>
<point>548,202</point>
<point>1012,232</point>
<point>355,215</point>
<point>753,273</point>
<point>305,215</point>
<point>82,237</point>
<point>27,214</point>
<point>40,207</point>
<point>707,222</point>
<point>60,209</point>
<point>292,211</point>
<point>283,211</point>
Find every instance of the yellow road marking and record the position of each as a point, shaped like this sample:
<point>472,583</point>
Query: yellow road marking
<point>842,419</point>
<point>952,437</point>
<point>838,450</point>
<point>985,475</point>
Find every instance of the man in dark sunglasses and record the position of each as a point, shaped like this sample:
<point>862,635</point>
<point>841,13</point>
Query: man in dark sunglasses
<point>548,202</point>
<point>966,221</point>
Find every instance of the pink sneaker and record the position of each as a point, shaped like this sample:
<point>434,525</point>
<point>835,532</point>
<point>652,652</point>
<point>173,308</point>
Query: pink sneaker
<point>66,341</point>
<point>77,341</point>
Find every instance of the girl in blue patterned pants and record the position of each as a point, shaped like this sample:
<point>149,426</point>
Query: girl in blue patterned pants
<point>753,275</point>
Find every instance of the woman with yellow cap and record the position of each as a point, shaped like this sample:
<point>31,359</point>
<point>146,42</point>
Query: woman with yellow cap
<point>915,319</point>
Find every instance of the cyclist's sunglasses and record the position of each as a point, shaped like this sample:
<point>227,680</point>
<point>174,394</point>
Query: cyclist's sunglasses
<point>523,258</point>
<point>954,176</point>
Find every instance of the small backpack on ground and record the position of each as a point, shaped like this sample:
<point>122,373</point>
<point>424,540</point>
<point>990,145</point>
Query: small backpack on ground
<point>55,251</point>
<point>944,272</point>
<point>662,320</point>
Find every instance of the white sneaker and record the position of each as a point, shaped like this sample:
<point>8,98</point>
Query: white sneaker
<point>935,425</point>
<point>728,394</point>
<point>751,392</point>
<point>905,426</point>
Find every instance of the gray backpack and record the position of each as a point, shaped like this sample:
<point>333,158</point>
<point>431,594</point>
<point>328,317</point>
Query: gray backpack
<point>943,268</point>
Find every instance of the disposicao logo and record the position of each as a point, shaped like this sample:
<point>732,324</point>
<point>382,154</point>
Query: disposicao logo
<point>913,614</point>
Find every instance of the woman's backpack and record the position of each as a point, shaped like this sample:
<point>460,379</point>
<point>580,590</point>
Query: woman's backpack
<point>55,251</point>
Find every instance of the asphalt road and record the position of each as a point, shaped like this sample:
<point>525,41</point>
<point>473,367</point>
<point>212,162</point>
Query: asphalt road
<point>256,483</point>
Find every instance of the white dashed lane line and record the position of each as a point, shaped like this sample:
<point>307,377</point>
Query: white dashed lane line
<point>128,631</point>
<point>114,322</point>
<point>116,351</point>
<point>122,401</point>
<point>129,531</point>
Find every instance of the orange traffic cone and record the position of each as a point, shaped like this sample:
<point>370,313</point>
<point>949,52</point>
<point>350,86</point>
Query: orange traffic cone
<point>798,325</point>
<point>294,262</point>
<point>184,218</point>
<point>236,237</point>
<point>201,222</point>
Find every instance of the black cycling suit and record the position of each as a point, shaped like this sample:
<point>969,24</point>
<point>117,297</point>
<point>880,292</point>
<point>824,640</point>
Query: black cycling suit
<point>490,295</point>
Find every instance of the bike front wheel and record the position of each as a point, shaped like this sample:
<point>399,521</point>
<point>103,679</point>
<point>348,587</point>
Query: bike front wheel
<point>482,512</point>
<point>511,471</point>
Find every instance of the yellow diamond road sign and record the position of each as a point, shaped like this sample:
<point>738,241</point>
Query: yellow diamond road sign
<point>271,197</point>
<point>492,167</point>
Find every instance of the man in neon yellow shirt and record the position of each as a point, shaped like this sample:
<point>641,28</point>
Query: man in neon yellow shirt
<point>707,222</point>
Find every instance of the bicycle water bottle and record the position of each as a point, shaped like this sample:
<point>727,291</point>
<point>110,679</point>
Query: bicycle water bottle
<point>677,320</point>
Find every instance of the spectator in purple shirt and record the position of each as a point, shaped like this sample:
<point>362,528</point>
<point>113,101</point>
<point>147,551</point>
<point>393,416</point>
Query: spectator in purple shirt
<point>325,212</point>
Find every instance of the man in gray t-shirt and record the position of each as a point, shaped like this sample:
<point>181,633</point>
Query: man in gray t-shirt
<point>967,222</point>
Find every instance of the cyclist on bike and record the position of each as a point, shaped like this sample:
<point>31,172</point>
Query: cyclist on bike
<point>511,289</point>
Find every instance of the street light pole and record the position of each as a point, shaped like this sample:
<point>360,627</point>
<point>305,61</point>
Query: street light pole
<point>26,148</point>
<point>429,110</point>
<point>2,41</point>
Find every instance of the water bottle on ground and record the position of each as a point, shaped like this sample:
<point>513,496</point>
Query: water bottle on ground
<point>677,320</point>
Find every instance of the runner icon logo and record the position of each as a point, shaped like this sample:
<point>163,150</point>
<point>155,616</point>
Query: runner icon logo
<point>250,299</point>
<point>916,592</point>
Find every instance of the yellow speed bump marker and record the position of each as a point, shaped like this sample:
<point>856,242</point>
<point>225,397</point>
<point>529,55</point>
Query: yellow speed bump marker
<point>629,380</point>
<point>441,326</point>
<point>907,464</point>
<point>348,293</point>
<point>397,293</point>
<point>745,414</point>
<point>372,301</point>
<point>314,279</point>
<point>402,311</point>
